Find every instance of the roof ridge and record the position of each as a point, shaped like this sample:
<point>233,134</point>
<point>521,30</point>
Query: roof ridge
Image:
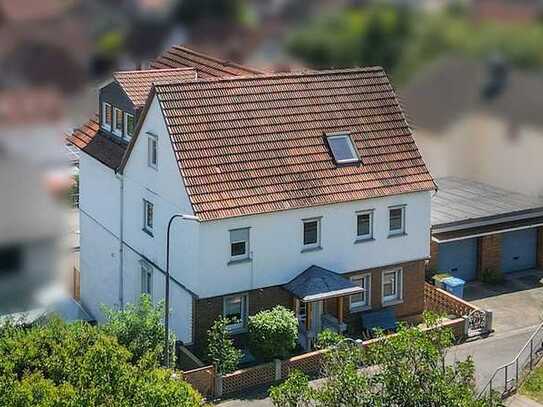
<point>301,74</point>
<point>153,70</point>
<point>215,59</point>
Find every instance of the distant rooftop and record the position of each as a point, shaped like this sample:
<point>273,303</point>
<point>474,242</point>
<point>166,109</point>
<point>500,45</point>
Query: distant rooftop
<point>459,201</point>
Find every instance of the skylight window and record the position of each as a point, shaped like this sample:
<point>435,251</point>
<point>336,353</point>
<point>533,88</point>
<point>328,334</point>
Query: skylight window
<point>342,148</point>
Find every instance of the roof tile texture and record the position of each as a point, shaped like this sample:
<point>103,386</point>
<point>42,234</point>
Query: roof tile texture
<point>256,144</point>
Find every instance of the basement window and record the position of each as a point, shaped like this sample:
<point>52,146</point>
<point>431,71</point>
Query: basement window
<point>342,148</point>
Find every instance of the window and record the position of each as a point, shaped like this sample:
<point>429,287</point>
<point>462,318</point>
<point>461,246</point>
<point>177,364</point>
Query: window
<point>364,225</point>
<point>146,279</point>
<point>128,125</point>
<point>360,300</point>
<point>148,217</point>
<point>342,148</point>
<point>106,116</point>
<point>235,309</point>
<point>302,312</point>
<point>392,285</point>
<point>311,233</point>
<point>396,216</point>
<point>117,121</point>
<point>152,153</point>
<point>239,244</point>
<point>11,260</point>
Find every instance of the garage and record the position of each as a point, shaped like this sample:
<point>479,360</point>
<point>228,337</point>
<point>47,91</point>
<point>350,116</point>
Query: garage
<point>459,258</point>
<point>519,250</point>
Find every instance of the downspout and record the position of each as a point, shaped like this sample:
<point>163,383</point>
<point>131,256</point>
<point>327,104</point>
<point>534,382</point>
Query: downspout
<point>121,242</point>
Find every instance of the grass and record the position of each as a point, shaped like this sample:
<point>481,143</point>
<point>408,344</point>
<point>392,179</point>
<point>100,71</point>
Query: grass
<point>533,386</point>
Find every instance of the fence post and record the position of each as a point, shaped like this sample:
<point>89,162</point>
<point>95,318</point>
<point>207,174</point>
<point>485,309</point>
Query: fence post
<point>277,365</point>
<point>489,320</point>
<point>218,385</point>
<point>466,326</point>
<point>531,353</point>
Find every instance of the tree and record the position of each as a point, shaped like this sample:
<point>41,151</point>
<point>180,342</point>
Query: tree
<point>221,350</point>
<point>139,328</point>
<point>273,333</point>
<point>409,371</point>
<point>327,338</point>
<point>59,364</point>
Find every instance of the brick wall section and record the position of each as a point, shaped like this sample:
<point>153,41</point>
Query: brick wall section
<point>540,247</point>
<point>434,254</point>
<point>413,294</point>
<point>490,252</point>
<point>209,309</point>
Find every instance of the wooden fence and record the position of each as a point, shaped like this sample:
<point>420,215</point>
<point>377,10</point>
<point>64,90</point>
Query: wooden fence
<point>440,301</point>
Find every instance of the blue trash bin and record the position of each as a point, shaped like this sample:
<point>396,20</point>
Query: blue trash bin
<point>455,286</point>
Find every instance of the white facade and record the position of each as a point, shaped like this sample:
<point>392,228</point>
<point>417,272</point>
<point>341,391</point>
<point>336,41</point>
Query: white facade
<point>200,252</point>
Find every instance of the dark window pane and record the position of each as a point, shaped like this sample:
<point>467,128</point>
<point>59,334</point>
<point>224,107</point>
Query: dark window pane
<point>342,148</point>
<point>129,125</point>
<point>311,232</point>
<point>118,119</point>
<point>11,259</point>
<point>364,224</point>
<point>237,249</point>
<point>396,219</point>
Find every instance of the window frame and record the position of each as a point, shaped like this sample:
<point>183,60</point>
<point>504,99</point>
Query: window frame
<point>350,143</point>
<point>242,325</point>
<point>369,236</point>
<point>152,140</point>
<point>246,255</point>
<point>146,228</point>
<point>366,304</point>
<point>114,130</point>
<point>107,106</point>
<point>147,279</point>
<point>317,244</point>
<point>125,121</point>
<point>401,231</point>
<point>398,286</point>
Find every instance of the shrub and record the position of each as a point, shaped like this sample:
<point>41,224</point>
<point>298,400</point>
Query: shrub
<point>139,328</point>
<point>328,338</point>
<point>58,364</point>
<point>273,333</point>
<point>220,349</point>
<point>293,392</point>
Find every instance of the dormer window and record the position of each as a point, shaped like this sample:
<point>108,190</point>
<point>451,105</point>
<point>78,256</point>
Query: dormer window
<point>117,122</point>
<point>106,116</point>
<point>342,148</point>
<point>128,125</point>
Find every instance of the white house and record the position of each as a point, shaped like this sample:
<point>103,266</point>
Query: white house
<point>308,190</point>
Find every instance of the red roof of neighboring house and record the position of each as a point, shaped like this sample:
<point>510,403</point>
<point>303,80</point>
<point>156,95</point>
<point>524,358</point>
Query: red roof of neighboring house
<point>207,67</point>
<point>31,105</point>
<point>138,84</point>
<point>252,145</point>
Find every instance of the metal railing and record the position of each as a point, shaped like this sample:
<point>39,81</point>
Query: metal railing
<point>507,378</point>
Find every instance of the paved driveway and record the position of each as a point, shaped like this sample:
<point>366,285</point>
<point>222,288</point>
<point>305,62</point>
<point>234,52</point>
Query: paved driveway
<point>516,303</point>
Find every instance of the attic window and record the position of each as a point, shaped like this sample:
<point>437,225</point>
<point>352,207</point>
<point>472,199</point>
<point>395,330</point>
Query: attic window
<point>342,148</point>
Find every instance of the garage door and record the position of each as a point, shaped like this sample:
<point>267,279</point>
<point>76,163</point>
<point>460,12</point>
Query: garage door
<point>459,259</point>
<point>519,250</point>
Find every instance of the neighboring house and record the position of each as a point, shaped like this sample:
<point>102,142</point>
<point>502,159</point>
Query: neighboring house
<point>478,228</point>
<point>308,189</point>
<point>30,235</point>
<point>479,121</point>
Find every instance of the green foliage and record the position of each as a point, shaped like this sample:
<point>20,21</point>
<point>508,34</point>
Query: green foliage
<point>221,350</point>
<point>273,333</point>
<point>491,276</point>
<point>412,372</point>
<point>139,328</point>
<point>402,41</point>
<point>293,392</point>
<point>533,386</point>
<point>328,338</point>
<point>58,364</point>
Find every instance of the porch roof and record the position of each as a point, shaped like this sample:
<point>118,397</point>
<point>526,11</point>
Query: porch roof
<point>317,283</point>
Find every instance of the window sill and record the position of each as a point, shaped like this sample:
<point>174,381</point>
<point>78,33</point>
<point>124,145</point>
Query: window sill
<point>392,302</point>
<point>359,308</point>
<point>236,331</point>
<point>364,240</point>
<point>239,261</point>
<point>392,236</point>
<point>148,232</point>
<point>311,249</point>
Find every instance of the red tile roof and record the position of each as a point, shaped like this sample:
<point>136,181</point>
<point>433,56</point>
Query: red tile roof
<point>256,144</point>
<point>137,84</point>
<point>89,140</point>
<point>207,67</point>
